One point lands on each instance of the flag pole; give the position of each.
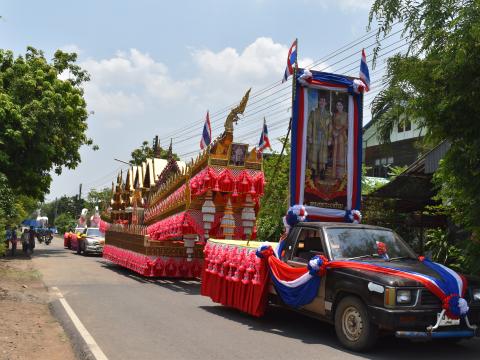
(294, 78)
(294, 87)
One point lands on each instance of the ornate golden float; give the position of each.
(164, 211)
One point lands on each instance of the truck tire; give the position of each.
(353, 326)
(79, 247)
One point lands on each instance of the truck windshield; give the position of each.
(347, 243)
(94, 232)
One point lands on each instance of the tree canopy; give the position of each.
(437, 83)
(274, 203)
(43, 118)
(146, 151)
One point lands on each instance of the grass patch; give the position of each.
(9, 273)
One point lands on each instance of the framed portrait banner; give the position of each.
(238, 153)
(326, 153)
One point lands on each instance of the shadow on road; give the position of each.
(42, 252)
(49, 252)
(283, 322)
(186, 286)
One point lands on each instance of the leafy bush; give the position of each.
(443, 250)
(64, 222)
(274, 203)
(2, 232)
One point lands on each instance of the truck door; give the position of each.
(306, 245)
(309, 243)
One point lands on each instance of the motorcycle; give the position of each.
(48, 238)
(44, 236)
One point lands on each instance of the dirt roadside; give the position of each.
(28, 330)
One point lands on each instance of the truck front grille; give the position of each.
(429, 299)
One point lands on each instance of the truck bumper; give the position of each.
(436, 334)
(414, 323)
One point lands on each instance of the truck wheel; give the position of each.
(353, 326)
(79, 249)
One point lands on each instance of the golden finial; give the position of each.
(233, 116)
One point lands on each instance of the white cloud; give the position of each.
(132, 83)
(352, 5)
(135, 70)
(121, 86)
(71, 48)
(230, 71)
(135, 96)
(113, 107)
(344, 5)
(257, 60)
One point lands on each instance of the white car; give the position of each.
(90, 241)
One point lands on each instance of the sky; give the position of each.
(156, 67)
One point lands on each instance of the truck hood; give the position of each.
(391, 280)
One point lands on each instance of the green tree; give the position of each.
(436, 83)
(43, 119)
(100, 198)
(6, 209)
(274, 204)
(141, 154)
(146, 151)
(64, 222)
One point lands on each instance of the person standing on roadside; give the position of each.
(13, 240)
(31, 238)
(24, 238)
(8, 235)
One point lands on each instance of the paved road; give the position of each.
(135, 318)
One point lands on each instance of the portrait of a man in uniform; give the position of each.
(319, 136)
(238, 154)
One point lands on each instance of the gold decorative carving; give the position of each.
(233, 116)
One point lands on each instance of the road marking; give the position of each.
(89, 340)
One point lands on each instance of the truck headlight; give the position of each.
(404, 296)
(476, 294)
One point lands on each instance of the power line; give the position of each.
(267, 102)
(370, 34)
(190, 130)
(287, 95)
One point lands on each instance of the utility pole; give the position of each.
(80, 192)
(55, 211)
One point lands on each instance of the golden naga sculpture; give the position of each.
(233, 116)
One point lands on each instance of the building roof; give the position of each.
(414, 184)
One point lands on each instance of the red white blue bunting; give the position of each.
(299, 286)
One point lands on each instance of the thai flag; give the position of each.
(264, 140)
(206, 134)
(291, 61)
(364, 73)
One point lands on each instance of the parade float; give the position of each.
(327, 265)
(325, 171)
(164, 210)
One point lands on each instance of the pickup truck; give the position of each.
(363, 304)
